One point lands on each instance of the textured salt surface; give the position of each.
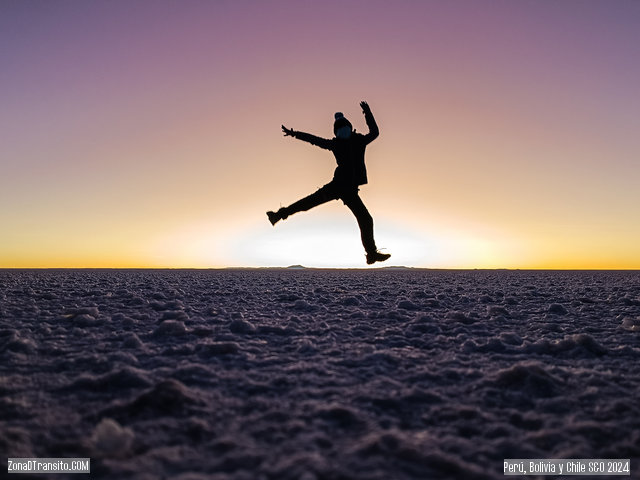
(279, 374)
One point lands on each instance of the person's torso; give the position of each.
(349, 155)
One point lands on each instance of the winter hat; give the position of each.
(340, 122)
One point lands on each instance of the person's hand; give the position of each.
(288, 132)
(365, 106)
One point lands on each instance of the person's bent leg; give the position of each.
(322, 195)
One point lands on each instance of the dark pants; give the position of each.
(349, 195)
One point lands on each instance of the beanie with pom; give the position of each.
(340, 121)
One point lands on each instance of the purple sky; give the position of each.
(147, 133)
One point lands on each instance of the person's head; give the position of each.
(341, 126)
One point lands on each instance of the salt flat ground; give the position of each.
(318, 374)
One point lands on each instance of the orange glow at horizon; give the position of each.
(150, 137)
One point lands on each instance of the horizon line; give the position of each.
(301, 267)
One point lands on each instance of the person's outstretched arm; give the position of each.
(371, 123)
(307, 137)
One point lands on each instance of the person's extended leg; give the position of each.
(365, 222)
(323, 195)
(353, 201)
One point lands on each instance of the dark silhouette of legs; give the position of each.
(322, 195)
(353, 201)
(349, 195)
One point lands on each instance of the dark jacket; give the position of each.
(349, 153)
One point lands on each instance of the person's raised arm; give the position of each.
(307, 137)
(371, 123)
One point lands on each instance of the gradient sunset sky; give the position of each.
(147, 133)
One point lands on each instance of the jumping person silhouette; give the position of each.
(348, 147)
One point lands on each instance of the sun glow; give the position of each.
(330, 239)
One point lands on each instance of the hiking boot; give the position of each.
(275, 217)
(376, 256)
